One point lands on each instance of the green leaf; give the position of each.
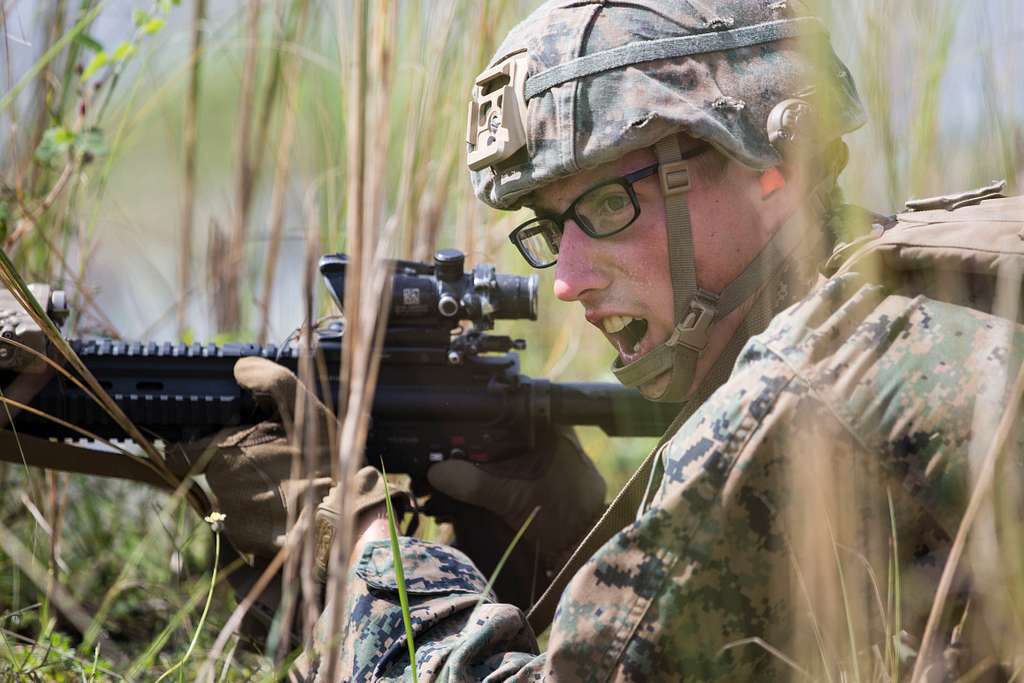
(88, 41)
(56, 141)
(396, 559)
(152, 26)
(139, 17)
(98, 61)
(91, 144)
(123, 51)
(165, 6)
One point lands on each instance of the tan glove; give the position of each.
(369, 492)
(557, 477)
(250, 471)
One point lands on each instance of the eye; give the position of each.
(610, 200)
(614, 203)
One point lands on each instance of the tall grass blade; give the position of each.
(396, 559)
(504, 557)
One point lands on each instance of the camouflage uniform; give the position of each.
(860, 396)
(866, 379)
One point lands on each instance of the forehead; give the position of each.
(559, 194)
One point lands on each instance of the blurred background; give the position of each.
(170, 162)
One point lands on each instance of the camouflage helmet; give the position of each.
(582, 83)
(590, 82)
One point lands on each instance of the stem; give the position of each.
(202, 618)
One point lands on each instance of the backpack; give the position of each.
(962, 249)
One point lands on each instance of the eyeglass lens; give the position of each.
(606, 209)
(539, 242)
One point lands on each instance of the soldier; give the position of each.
(681, 161)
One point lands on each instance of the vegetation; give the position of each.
(176, 164)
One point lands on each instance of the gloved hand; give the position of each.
(250, 471)
(367, 503)
(557, 477)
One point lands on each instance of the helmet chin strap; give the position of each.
(697, 310)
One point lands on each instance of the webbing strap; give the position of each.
(674, 175)
(678, 358)
(666, 48)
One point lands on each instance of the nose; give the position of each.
(578, 270)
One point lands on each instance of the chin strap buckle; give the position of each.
(694, 331)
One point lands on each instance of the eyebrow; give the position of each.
(686, 155)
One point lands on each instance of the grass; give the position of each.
(181, 189)
(396, 556)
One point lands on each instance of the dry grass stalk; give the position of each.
(57, 487)
(343, 465)
(289, 27)
(307, 439)
(311, 433)
(282, 167)
(33, 215)
(835, 542)
(367, 285)
(42, 92)
(190, 141)
(230, 317)
(425, 99)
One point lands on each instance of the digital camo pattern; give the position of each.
(444, 589)
(878, 390)
(723, 97)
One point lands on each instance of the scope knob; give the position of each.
(448, 305)
(449, 264)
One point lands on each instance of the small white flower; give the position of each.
(216, 521)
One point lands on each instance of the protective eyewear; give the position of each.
(602, 211)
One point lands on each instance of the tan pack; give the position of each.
(956, 250)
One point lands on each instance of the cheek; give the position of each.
(649, 267)
(726, 232)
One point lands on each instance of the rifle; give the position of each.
(443, 391)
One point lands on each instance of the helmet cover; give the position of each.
(722, 90)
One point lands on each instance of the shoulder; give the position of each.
(898, 375)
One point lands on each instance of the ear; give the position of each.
(771, 182)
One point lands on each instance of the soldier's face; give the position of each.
(624, 281)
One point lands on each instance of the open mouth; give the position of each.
(626, 333)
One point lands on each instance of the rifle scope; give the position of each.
(441, 294)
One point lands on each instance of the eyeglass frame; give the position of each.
(625, 181)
